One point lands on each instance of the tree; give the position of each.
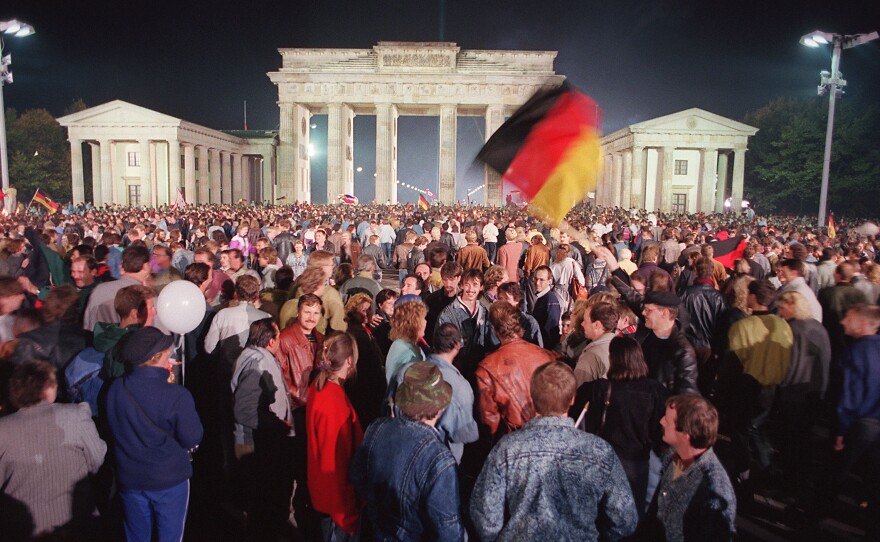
(784, 170)
(39, 155)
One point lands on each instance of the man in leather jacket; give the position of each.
(283, 242)
(703, 305)
(504, 376)
(670, 356)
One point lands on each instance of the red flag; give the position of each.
(550, 150)
(729, 250)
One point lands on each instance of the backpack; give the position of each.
(84, 379)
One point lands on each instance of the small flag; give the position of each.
(180, 201)
(729, 250)
(423, 202)
(348, 199)
(832, 231)
(430, 194)
(2, 195)
(550, 150)
(43, 199)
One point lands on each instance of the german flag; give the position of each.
(43, 199)
(549, 149)
(423, 203)
(729, 250)
(832, 231)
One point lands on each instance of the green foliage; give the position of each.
(784, 166)
(39, 155)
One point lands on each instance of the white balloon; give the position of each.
(181, 306)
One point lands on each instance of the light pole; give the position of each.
(18, 29)
(835, 81)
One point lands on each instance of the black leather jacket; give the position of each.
(283, 243)
(671, 361)
(704, 305)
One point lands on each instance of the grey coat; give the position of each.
(47, 453)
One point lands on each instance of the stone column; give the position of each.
(287, 150)
(189, 174)
(706, 201)
(637, 178)
(721, 187)
(156, 169)
(248, 190)
(107, 186)
(204, 177)
(340, 151)
(226, 176)
(237, 188)
(168, 192)
(76, 171)
(617, 186)
(97, 195)
(494, 191)
(605, 188)
(448, 131)
(664, 195)
(268, 174)
(626, 180)
(216, 183)
(386, 153)
(117, 163)
(147, 171)
(294, 169)
(739, 170)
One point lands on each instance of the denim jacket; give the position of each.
(409, 481)
(456, 425)
(550, 481)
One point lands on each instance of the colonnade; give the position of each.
(148, 172)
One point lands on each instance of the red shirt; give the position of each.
(333, 434)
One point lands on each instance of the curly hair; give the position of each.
(504, 318)
(406, 321)
(494, 276)
(352, 314)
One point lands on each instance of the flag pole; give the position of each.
(31, 202)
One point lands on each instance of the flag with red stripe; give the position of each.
(549, 149)
(43, 199)
(729, 250)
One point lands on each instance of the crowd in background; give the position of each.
(392, 373)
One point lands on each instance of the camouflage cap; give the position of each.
(423, 391)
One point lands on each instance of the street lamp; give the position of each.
(18, 29)
(834, 81)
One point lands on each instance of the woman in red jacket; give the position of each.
(333, 434)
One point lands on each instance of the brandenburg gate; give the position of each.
(389, 80)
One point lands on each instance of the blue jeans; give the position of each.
(491, 250)
(167, 507)
(386, 248)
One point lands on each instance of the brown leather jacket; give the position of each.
(503, 381)
(297, 357)
(473, 256)
(536, 256)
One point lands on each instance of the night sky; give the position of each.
(200, 60)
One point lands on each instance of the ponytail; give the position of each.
(337, 349)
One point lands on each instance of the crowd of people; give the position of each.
(384, 372)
